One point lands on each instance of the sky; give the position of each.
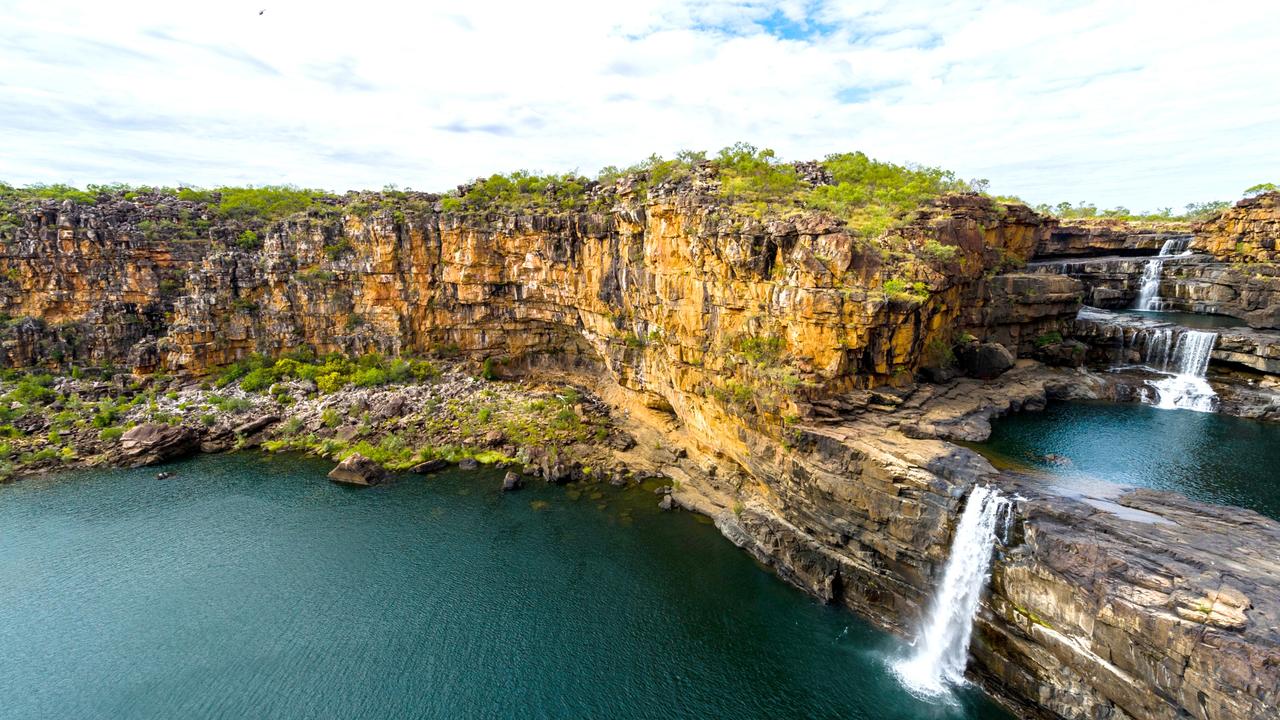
(1140, 103)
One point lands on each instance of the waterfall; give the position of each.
(942, 649)
(1185, 388)
(1149, 291)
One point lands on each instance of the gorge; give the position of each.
(811, 377)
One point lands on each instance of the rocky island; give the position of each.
(802, 352)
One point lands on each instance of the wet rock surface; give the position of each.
(357, 469)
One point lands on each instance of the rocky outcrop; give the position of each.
(152, 443)
(1248, 232)
(1118, 338)
(1144, 605)
(1102, 236)
(357, 469)
(778, 355)
(1168, 611)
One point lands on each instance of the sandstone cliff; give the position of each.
(778, 354)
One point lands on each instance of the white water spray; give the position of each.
(1186, 388)
(1149, 291)
(942, 650)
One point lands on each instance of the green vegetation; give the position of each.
(937, 252)
(330, 373)
(520, 190)
(248, 240)
(873, 195)
(1082, 209)
(1260, 188)
(899, 290)
(1049, 338)
(266, 203)
(656, 170)
(756, 178)
(315, 275)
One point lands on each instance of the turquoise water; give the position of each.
(250, 587)
(1209, 457)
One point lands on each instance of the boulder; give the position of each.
(220, 439)
(468, 464)
(357, 470)
(392, 407)
(511, 481)
(620, 440)
(430, 466)
(667, 503)
(252, 433)
(984, 361)
(1067, 353)
(152, 443)
(253, 427)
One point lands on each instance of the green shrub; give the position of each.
(258, 379)
(751, 175)
(248, 240)
(1049, 338)
(938, 252)
(266, 203)
(520, 190)
(901, 290)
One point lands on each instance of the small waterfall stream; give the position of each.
(942, 649)
(1185, 388)
(1149, 291)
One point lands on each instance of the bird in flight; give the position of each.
(261, 11)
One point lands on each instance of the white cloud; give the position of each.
(1144, 104)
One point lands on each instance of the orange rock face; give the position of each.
(712, 314)
(1245, 233)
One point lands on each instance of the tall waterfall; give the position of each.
(1185, 388)
(1149, 291)
(942, 650)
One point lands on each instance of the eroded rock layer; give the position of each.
(781, 355)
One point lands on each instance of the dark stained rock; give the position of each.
(511, 481)
(984, 361)
(357, 470)
(468, 464)
(1067, 353)
(220, 439)
(391, 407)
(430, 466)
(252, 433)
(253, 427)
(620, 440)
(152, 443)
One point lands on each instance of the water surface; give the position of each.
(1195, 321)
(1209, 457)
(252, 587)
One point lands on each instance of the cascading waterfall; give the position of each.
(1185, 388)
(1149, 291)
(942, 650)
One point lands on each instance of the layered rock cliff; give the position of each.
(779, 354)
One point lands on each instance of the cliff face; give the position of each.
(1101, 236)
(1244, 233)
(783, 351)
(665, 294)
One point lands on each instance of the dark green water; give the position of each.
(1197, 321)
(250, 587)
(1209, 457)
